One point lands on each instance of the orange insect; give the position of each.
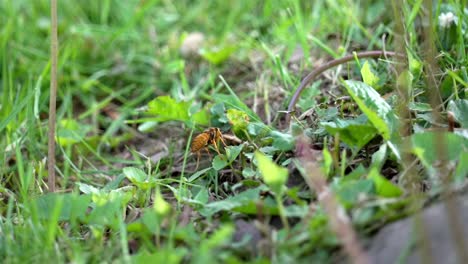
(201, 141)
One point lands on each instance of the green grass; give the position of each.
(128, 187)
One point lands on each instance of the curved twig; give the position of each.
(313, 74)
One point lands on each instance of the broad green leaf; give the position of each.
(379, 113)
(71, 132)
(459, 108)
(282, 141)
(160, 206)
(219, 162)
(218, 116)
(425, 147)
(349, 192)
(73, 207)
(461, 172)
(217, 55)
(135, 175)
(384, 187)
(368, 75)
(232, 152)
(248, 172)
(167, 255)
(232, 101)
(232, 202)
(107, 214)
(139, 178)
(419, 107)
(353, 133)
(273, 175)
(166, 108)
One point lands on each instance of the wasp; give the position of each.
(208, 137)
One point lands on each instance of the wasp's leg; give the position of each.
(198, 160)
(216, 147)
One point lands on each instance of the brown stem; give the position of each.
(338, 219)
(53, 96)
(313, 74)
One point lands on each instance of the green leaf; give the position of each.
(428, 152)
(232, 152)
(165, 108)
(352, 132)
(420, 107)
(459, 108)
(232, 101)
(327, 161)
(71, 132)
(241, 199)
(248, 172)
(350, 191)
(273, 175)
(168, 255)
(139, 178)
(379, 157)
(379, 113)
(219, 162)
(282, 141)
(368, 75)
(239, 121)
(384, 187)
(217, 55)
(160, 206)
(461, 172)
(73, 207)
(198, 174)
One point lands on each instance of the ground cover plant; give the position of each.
(227, 132)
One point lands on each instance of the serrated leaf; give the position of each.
(368, 75)
(379, 113)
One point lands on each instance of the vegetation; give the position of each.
(371, 140)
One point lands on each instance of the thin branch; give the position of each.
(53, 95)
(313, 74)
(339, 220)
